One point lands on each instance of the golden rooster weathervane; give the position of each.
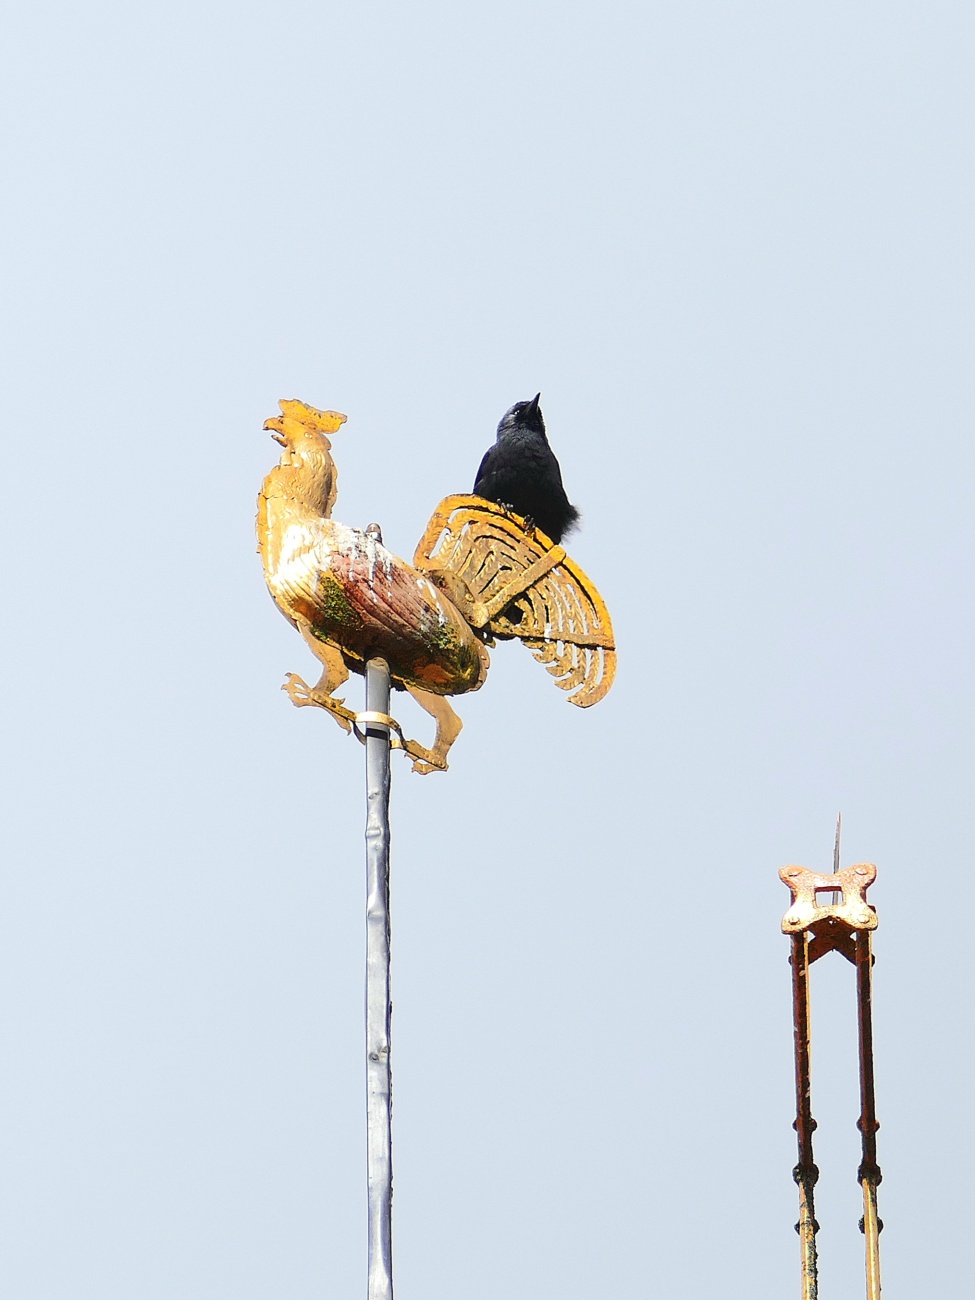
(479, 574)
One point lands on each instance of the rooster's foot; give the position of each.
(448, 729)
(301, 695)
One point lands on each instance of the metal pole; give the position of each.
(805, 1172)
(869, 1172)
(379, 1095)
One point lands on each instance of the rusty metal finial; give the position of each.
(844, 924)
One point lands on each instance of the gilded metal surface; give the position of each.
(350, 597)
(342, 584)
(516, 583)
(479, 573)
(846, 927)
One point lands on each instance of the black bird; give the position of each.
(520, 471)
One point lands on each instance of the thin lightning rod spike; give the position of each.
(837, 894)
(379, 1091)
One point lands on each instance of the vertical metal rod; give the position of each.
(837, 893)
(379, 1093)
(805, 1172)
(869, 1174)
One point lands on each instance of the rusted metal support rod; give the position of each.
(869, 1173)
(805, 1172)
(379, 1084)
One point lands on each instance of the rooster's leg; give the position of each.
(448, 729)
(334, 673)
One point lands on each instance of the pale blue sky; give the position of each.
(731, 244)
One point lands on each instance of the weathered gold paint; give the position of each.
(478, 574)
(518, 584)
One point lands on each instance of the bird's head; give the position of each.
(302, 429)
(523, 415)
(306, 461)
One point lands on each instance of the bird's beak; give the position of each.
(532, 406)
(278, 425)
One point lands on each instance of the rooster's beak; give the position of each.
(277, 424)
